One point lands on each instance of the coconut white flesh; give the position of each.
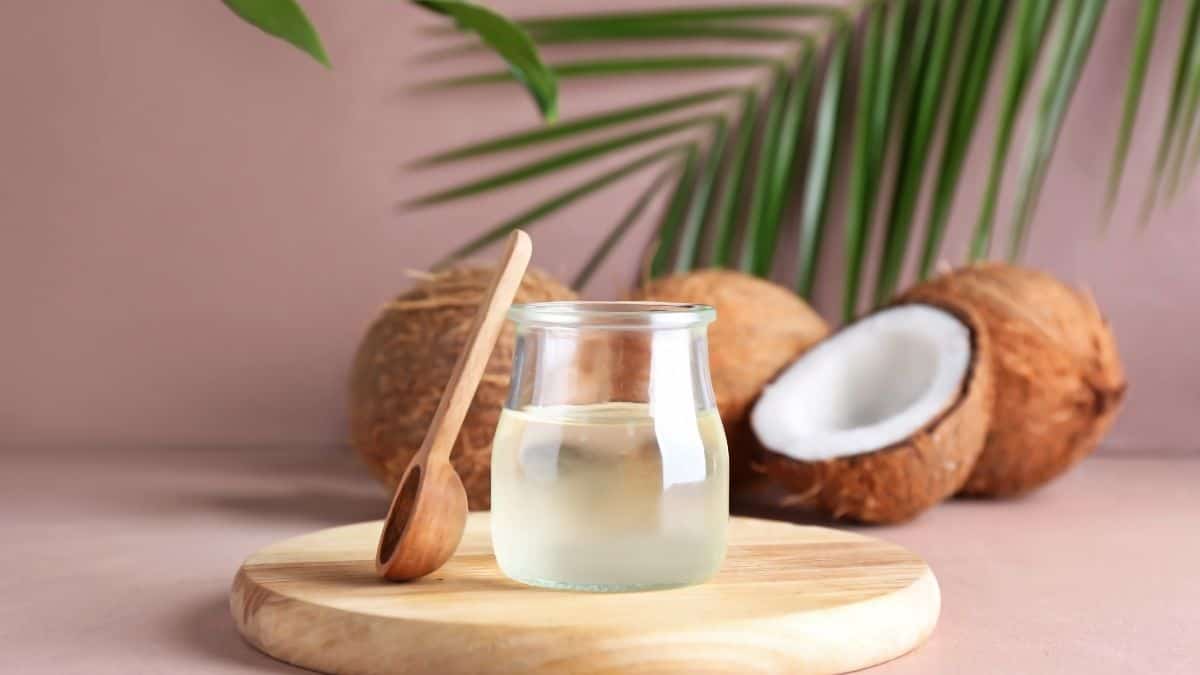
(873, 384)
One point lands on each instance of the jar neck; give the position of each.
(665, 368)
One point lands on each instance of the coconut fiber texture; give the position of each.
(898, 482)
(404, 363)
(1059, 381)
(761, 327)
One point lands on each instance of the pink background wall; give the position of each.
(198, 221)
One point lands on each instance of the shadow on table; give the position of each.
(206, 629)
(313, 507)
(312, 487)
(771, 503)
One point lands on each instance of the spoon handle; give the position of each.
(468, 370)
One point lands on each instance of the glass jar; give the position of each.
(610, 469)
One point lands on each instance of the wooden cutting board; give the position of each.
(789, 599)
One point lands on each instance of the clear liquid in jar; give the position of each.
(608, 497)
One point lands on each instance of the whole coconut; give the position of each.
(760, 328)
(1058, 379)
(404, 363)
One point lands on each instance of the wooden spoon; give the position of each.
(428, 513)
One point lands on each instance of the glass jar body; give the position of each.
(610, 469)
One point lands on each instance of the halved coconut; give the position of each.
(883, 419)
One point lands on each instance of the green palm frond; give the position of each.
(983, 21)
(900, 84)
(1191, 97)
(1032, 23)
(627, 221)
(1170, 129)
(929, 70)
(1072, 44)
(723, 230)
(816, 189)
(1139, 61)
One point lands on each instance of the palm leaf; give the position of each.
(513, 45)
(1171, 123)
(622, 227)
(721, 253)
(1073, 42)
(548, 133)
(914, 151)
(531, 216)
(1033, 17)
(882, 114)
(643, 30)
(900, 87)
(285, 20)
(562, 160)
(690, 14)
(1188, 116)
(700, 205)
(571, 32)
(756, 253)
(676, 212)
(778, 163)
(1147, 24)
(816, 189)
(858, 213)
(984, 18)
(780, 176)
(767, 158)
(633, 65)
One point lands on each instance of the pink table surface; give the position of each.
(118, 560)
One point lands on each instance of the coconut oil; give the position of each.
(609, 496)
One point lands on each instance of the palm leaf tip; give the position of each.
(285, 20)
(1174, 108)
(1191, 101)
(1073, 42)
(512, 43)
(1147, 25)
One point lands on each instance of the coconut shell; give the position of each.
(898, 482)
(404, 363)
(1059, 380)
(761, 327)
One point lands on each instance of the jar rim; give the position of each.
(612, 314)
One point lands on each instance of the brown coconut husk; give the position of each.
(761, 327)
(403, 365)
(898, 482)
(1059, 380)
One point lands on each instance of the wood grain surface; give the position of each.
(788, 599)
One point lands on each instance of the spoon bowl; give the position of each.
(426, 521)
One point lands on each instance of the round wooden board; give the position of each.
(788, 599)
